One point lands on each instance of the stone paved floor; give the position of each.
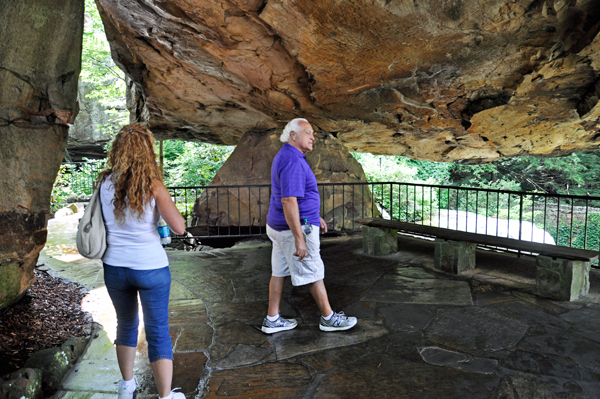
(421, 334)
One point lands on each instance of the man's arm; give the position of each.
(292, 217)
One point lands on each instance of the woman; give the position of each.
(133, 196)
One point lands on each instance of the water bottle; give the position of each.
(164, 232)
(306, 227)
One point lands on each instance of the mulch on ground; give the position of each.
(46, 317)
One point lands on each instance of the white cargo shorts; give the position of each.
(284, 263)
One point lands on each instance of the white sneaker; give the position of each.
(128, 392)
(281, 324)
(176, 395)
(338, 322)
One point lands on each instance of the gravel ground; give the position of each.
(46, 317)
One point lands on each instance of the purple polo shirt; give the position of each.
(291, 176)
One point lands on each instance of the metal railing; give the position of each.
(548, 218)
(567, 220)
(75, 182)
(240, 210)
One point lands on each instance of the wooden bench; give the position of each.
(562, 273)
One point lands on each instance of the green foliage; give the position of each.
(431, 172)
(185, 164)
(579, 235)
(172, 149)
(99, 72)
(192, 163)
(482, 176)
(575, 174)
(402, 202)
(379, 168)
(75, 180)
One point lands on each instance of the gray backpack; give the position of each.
(91, 232)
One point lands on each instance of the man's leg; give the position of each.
(275, 292)
(318, 291)
(330, 321)
(274, 323)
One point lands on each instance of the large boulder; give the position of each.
(472, 80)
(40, 60)
(246, 208)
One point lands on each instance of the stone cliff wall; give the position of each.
(40, 60)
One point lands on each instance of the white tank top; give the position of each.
(135, 244)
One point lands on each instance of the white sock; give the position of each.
(329, 317)
(168, 397)
(129, 384)
(272, 318)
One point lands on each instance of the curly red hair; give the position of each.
(133, 169)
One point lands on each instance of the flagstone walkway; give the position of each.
(421, 334)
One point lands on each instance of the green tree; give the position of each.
(383, 168)
(431, 172)
(576, 174)
(482, 176)
(99, 72)
(192, 163)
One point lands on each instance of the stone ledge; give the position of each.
(562, 279)
(46, 369)
(454, 256)
(379, 240)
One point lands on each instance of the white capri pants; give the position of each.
(284, 263)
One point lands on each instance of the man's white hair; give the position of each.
(292, 126)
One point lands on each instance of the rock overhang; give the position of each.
(460, 80)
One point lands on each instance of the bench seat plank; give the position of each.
(557, 251)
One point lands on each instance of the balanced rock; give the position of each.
(250, 164)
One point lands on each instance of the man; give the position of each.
(294, 198)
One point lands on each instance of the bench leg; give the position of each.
(562, 279)
(454, 256)
(379, 241)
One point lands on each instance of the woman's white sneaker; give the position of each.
(127, 390)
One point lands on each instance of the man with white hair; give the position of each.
(293, 225)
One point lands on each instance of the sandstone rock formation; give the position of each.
(471, 80)
(86, 137)
(245, 209)
(40, 60)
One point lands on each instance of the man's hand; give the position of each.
(300, 248)
(323, 227)
(292, 217)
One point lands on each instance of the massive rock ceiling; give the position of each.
(471, 80)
